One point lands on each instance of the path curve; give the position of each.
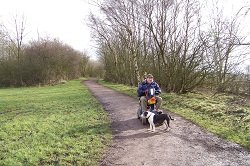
(184, 145)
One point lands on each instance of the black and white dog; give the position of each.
(154, 119)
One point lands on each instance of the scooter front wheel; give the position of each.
(139, 112)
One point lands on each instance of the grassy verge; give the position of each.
(226, 115)
(54, 125)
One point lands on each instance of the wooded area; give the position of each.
(175, 42)
(184, 44)
(41, 61)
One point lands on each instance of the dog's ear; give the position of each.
(145, 113)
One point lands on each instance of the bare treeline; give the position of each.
(44, 61)
(170, 39)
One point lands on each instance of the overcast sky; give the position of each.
(62, 19)
(66, 19)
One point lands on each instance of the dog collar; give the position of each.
(150, 115)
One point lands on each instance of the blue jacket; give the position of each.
(145, 86)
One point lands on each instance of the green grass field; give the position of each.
(53, 125)
(225, 115)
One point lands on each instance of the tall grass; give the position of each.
(53, 125)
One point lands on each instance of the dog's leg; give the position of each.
(153, 127)
(166, 122)
(150, 127)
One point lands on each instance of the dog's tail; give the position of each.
(171, 117)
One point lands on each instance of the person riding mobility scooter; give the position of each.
(148, 92)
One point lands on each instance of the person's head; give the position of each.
(150, 78)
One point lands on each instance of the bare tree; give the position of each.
(166, 38)
(16, 42)
(119, 37)
(225, 38)
(3, 43)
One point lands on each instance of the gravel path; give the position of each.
(184, 145)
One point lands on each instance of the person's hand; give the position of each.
(157, 92)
